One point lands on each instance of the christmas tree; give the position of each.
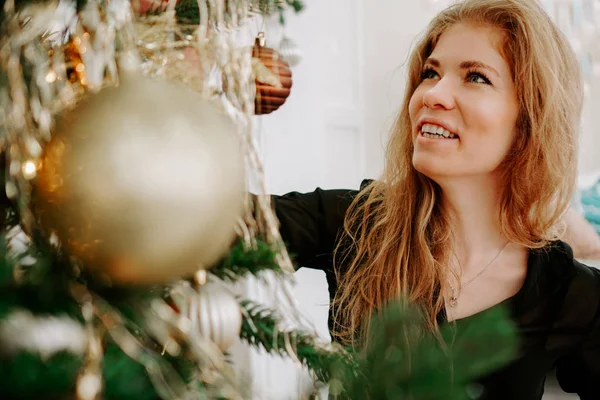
(127, 153)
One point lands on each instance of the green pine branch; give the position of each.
(188, 12)
(260, 329)
(242, 261)
(402, 361)
(296, 5)
(42, 287)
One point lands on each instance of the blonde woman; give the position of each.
(479, 171)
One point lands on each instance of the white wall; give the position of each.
(332, 129)
(314, 138)
(390, 29)
(589, 151)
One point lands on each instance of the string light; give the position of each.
(29, 169)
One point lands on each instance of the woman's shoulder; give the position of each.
(560, 255)
(584, 288)
(558, 264)
(576, 284)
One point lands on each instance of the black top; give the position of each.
(557, 311)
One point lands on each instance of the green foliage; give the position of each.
(42, 287)
(188, 12)
(27, 376)
(401, 361)
(296, 5)
(125, 378)
(242, 261)
(260, 329)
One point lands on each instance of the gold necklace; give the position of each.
(455, 295)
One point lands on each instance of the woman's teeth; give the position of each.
(436, 132)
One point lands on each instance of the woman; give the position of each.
(480, 167)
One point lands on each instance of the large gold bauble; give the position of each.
(143, 183)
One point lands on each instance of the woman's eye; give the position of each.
(428, 74)
(476, 77)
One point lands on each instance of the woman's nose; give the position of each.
(440, 95)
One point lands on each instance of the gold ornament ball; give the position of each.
(143, 183)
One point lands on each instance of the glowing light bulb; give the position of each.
(51, 76)
(29, 170)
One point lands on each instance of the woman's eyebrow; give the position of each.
(464, 65)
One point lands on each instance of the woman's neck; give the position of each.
(472, 204)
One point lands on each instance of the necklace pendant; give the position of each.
(453, 301)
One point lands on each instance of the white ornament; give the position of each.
(289, 50)
(215, 314)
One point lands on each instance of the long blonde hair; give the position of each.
(397, 237)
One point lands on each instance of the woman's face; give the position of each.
(467, 97)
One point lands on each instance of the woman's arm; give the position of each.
(311, 222)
